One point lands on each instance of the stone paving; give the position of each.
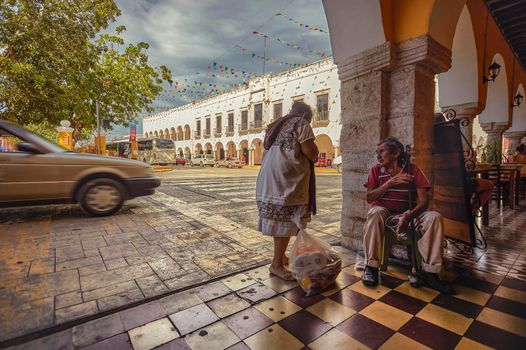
(253, 310)
(57, 265)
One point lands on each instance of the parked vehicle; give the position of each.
(180, 161)
(35, 170)
(156, 151)
(203, 159)
(337, 163)
(230, 162)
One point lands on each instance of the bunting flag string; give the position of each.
(302, 25)
(228, 72)
(292, 46)
(268, 59)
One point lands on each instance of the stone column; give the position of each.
(494, 139)
(470, 111)
(387, 90)
(514, 139)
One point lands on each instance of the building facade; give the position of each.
(233, 123)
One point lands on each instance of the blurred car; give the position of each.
(35, 170)
(337, 163)
(203, 159)
(230, 162)
(180, 160)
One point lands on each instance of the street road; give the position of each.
(58, 265)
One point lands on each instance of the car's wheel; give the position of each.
(216, 165)
(229, 166)
(202, 164)
(101, 197)
(339, 168)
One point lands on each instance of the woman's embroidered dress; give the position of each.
(282, 189)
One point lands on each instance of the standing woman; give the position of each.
(285, 187)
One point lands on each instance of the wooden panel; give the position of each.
(450, 195)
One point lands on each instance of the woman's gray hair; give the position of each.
(299, 108)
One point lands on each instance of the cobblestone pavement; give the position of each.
(57, 265)
(252, 310)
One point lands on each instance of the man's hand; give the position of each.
(400, 179)
(402, 223)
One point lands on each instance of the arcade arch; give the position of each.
(208, 148)
(219, 152)
(180, 152)
(187, 153)
(173, 136)
(187, 134)
(156, 134)
(325, 148)
(244, 154)
(180, 135)
(231, 149)
(198, 149)
(256, 152)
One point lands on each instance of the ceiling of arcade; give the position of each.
(510, 16)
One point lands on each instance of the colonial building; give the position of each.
(233, 123)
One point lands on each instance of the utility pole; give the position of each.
(98, 127)
(265, 54)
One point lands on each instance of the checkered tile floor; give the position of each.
(253, 310)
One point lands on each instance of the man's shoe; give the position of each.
(370, 276)
(432, 281)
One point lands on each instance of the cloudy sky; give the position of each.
(189, 35)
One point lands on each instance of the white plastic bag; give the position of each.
(313, 263)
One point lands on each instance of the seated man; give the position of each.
(387, 192)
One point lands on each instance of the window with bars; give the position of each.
(207, 126)
(230, 122)
(219, 122)
(258, 115)
(244, 120)
(198, 128)
(322, 107)
(278, 110)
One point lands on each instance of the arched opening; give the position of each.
(180, 152)
(231, 149)
(243, 151)
(173, 136)
(180, 135)
(198, 149)
(326, 150)
(187, 134)
(161, 134)
(220, 151)
(495, 117)
(187, 153)
(459, 85)
(208, 148)
(166, 133)
(256, 152)
(156, 134)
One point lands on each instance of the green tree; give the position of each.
(54, 65)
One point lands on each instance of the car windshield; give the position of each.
(31, 137)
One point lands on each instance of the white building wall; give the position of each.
(317, 78)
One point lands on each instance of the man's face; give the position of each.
(385, 157)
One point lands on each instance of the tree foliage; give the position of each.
(54, 64)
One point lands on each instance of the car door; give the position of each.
(26, 176)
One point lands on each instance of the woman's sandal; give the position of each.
(285, 275)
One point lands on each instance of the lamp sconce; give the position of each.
(517, 100)
(494, 70)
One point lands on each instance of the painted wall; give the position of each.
(319, 77)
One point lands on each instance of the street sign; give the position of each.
(133, 131)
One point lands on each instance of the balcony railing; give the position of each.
(321, 119)
(256, 126)
(243, 128)
(217, 132)
(197, 134)
(229, 130)
(207, 133)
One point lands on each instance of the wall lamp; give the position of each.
(517, 100)
(494, 70)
